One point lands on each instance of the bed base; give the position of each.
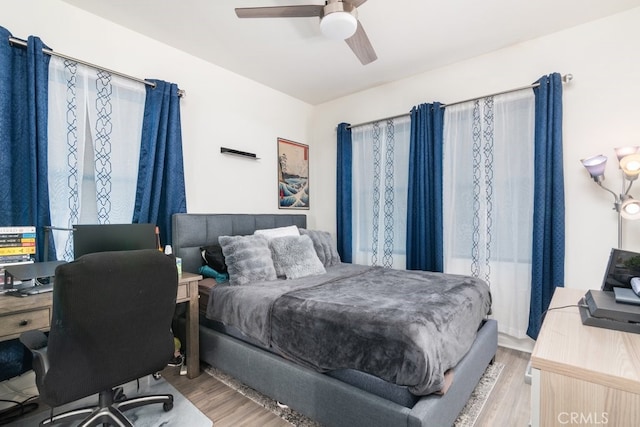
(334, 403)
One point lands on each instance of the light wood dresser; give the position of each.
(583, 375)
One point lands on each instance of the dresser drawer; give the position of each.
(12, 325)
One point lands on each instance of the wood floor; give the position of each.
(508, 405)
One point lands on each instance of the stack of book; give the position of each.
(17, 246)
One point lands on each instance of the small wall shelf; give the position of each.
(245, 154)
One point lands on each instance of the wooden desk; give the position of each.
(34, 312)
(188, 292)
(583, 375)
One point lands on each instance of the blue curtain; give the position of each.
(24, 195)
(24, 192)
(343, 191)
(160, 191)
(547, 271)
(424, 204)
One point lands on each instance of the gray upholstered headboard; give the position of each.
(190, 232)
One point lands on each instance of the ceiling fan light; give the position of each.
(338, 25)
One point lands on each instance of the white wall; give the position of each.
(601, 111)
(220, 109)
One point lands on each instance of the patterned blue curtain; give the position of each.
(424, 207)
(161, 192)
(343, 191)
(548, 210)
(23, 136)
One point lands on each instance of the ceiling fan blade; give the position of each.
(355, 3)
(280, 11)
(361, 46)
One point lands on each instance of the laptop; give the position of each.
(34, 278)
(621, 268)
(615, 306)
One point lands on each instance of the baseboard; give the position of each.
(520, 344)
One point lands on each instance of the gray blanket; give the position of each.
(406, 327)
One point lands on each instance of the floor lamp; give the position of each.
(629, 162)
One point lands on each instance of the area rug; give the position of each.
(184, 413)
(479, 396)
(467, 417)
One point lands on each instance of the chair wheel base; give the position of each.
(110, 411)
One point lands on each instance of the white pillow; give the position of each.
(272, 233)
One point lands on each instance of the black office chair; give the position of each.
(111, 324)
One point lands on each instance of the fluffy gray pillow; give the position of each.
(248, 259)
(295, 257)
(324, 246)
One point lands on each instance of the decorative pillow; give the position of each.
(209, 272)
(295, 257)
(213, 257)
(272, 233)
(248, 259)
(324, 246)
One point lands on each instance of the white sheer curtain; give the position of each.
(379, 185)
(488, 200)
(95, 126)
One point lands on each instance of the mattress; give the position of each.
(365, 319)
(398, 394)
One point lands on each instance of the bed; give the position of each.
(331, 395)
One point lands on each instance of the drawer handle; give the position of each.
(23, 323)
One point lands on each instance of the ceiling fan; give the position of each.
(338, 20)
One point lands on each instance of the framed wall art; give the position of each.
(293, 175)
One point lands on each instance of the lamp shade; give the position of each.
(630, 209)
(595, 165)
(625, 151)
(630, 166)
(338, 25)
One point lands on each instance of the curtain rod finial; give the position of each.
(567, 78)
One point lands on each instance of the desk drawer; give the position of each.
(12, 325)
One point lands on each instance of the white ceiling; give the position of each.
(291, 56)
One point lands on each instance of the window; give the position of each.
(380, 176)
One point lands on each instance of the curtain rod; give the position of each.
(20, 42)
(565, 79)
